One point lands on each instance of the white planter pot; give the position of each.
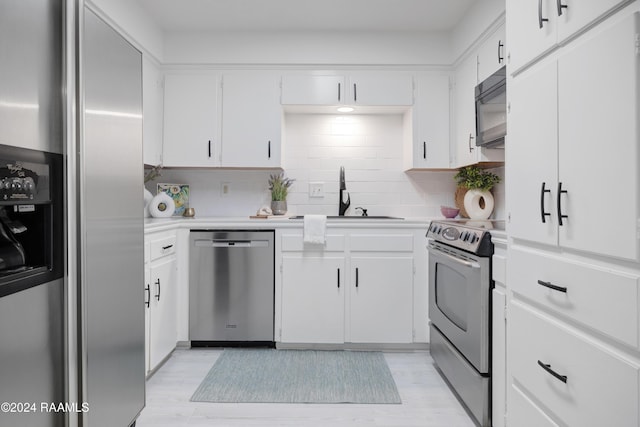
(478, 204)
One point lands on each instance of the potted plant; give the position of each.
(279, 187)
(473, 195)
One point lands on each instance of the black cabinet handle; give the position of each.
(339, 91)
(355, 93)
(543, 214)
(269, 149)
(357, 280)
(424, 150)
(541, 20)
(164, 248)
(547, 368)
(560, 192)
(552, 286)
(158, 295)
(560, 7)
(148, 299)
(338, 278)
(209, 148)
(500, 57)
(471, 148)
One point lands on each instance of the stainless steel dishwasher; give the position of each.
(231, 287)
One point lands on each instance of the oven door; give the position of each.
(459, 303)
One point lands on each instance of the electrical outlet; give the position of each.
(316, 189)
(225, 189)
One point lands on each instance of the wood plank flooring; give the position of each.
(426, 400)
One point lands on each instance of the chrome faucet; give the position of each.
(342, 205)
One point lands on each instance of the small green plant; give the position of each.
(152, 174)
(279, 186)
(473, 177)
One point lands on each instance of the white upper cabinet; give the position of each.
(251, 120)
(578, 137)
(536, 26)
(465, 108)
(303, 89)
(427, 125)
(152, 120)
(191, 120)
(378, 88)
(492, 54)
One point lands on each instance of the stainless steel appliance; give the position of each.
(231, 287)
(32, 246)
(491, 110)
(460, 310)
(110, 227)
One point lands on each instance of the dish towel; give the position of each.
(315, 227)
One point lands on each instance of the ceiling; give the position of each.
(306, 15)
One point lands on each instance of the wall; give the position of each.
(368, 146)
(308, 48)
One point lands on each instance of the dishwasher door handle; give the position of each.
(208, 243)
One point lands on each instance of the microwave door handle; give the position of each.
(454, 259)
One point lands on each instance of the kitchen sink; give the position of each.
(353, 217)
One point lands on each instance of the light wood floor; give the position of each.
(426, 400)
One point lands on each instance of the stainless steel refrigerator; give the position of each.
(110, 226)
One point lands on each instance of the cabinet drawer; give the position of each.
(295, 242)
(601, 387)
(382, 243)
(524, 413)
(162, 246)
(603, 299)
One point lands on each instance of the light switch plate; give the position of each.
(316, 189)
(225, 189)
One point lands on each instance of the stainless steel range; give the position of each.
(460, 309)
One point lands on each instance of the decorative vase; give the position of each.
(279, 207)
(478, 203)
(459, 200)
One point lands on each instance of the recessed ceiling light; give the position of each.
(345, 109)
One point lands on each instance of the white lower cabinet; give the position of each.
(313, 298)
(357, 288)
(160, 298)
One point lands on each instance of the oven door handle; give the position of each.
(454, 259)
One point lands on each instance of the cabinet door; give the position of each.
(251, 120)
(431, 122)
(526, 39)
(312, 90)
(384, 89)
(191, 120)
(492, 54)
(464, 103)
(499, 357)
(163, 330)
(532, 156)
(599, 149)
(381, 291)
(152, 111)
(147, 313)
(312, 299)
(579, 14)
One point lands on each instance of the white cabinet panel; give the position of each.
(579, 14)
(528, 35)
(532, 156)
(383, 89)
(601, 388)
(381, 290)
(312, 90)
(499, 357)
(464, 101)
(492, 54)
(251, 120)
(312, 299)
(162, 314)
(524, 413)
(599, 147)
(152, 110)
(191, 120)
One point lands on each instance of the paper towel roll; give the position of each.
(147, 201)
(162, 206)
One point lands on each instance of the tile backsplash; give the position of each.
(315, 146)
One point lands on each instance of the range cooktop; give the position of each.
(467, 234)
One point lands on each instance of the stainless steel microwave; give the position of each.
(491, 110)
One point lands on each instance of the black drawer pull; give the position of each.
(543, 214)
(164, 248)
(338, 278)
(148, 301)
(547, 368)
(357, 278)
(551, 286)
(559, 199)
(158, 295)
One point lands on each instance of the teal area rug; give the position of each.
(298, 376)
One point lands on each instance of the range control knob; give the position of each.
(474, 238)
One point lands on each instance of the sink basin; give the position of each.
(353, 217)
